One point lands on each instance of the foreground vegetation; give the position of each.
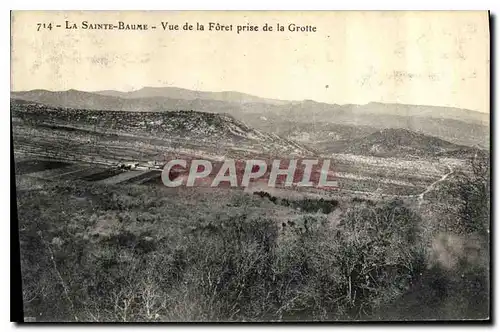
(134, 253)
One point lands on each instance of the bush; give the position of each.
(380, 255)
(306, 205)
(173, 264)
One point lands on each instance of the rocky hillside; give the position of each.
(192, 128)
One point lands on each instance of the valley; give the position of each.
(149, 139)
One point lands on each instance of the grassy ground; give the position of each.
(148, 253)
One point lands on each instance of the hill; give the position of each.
(400, 142)
(464, 132)
(219, 133)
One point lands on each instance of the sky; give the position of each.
(426, 58)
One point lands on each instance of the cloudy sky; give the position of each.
(433, 58)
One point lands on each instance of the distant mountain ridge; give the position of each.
(459, 126)
(173, 93)
(186, 94)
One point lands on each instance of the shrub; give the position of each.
(233, 265)
(473, 194)
(380, 255)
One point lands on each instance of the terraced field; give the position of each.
(43, 169)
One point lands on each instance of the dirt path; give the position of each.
(433, 185)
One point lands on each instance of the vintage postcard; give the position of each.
(252, 166)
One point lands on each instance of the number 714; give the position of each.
(43, 26)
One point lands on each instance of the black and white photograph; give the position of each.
(251, 166)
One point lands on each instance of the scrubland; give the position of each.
(91, 252)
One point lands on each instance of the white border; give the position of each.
(256, 5)
(492, 5)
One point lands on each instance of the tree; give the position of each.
(473, 194)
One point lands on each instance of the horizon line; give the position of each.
(249, 94)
